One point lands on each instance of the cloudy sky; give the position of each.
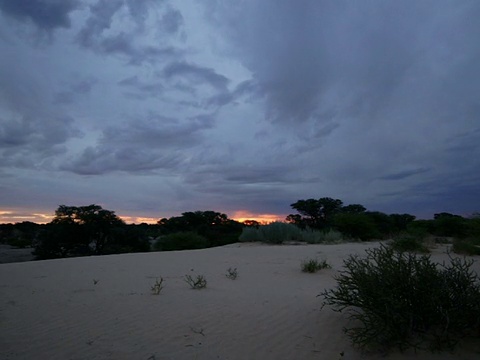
(153, 107)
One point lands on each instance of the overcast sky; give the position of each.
(152, 108)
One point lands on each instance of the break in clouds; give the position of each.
(158, 107)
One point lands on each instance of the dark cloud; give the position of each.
(195, 74)
(81, 87)
(153, 143)
(30, 141)
(32, 133)
(353, 58)
(141, 90)
(101, 14)
(45, 14)
(404, 174)
(158, 131)
(98, 34)
(104, 159)
(172, 21)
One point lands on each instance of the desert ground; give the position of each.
(103, 307)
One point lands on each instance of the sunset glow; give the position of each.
(139, 219)
(16, 216)
(243, 215)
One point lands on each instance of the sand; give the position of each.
(103, 308)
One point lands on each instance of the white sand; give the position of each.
(53, 310)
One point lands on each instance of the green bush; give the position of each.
(401, 300)
(313, 236)
(314, 265)
(408, 242)
(181, 241)
(278, 232)
(274, 233)
(468, 246)
(357, 226)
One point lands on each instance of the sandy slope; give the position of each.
(53, 310)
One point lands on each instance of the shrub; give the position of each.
(314, 265)
(401, 300)
(251, 234)
(312, 236)
(274, 233)
(232, 274)
(181, 241)
(468, 246)
(158, 286)
(278, 232)
(199, 282)
(407, 242)
(357, 226)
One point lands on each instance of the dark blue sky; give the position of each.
(152, 107)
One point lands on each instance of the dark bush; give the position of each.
(409, 242)
(400, 300)
(445, 224)
(181, 241)
(468, 246)
(356, 226)
(314, 265)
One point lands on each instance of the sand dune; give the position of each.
(103, 308)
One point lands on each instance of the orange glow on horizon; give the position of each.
(243, 215)
(16, 216)
(139, 219)
(12, 216)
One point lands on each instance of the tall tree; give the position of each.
(317, 213)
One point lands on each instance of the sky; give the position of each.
(152, 108)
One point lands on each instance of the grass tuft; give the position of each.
(314, 265)
(158, 286)
(199, 282)
(232, 273)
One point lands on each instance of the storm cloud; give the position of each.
(240, 106)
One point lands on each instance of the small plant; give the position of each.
(158, 286)
(313, 265)
(199, 282)
(401, 300)
(232, 274)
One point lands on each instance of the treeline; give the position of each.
(356, 222)
(92, 230)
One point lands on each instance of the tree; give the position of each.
(446, 224)
(356, 226)
(83, 230)
(317, 213)
(251, 223)
(401, 221)
(216, 227)
(353, 209)
(97, 223)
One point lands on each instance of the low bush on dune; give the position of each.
(197, 282)
(401, 300)
(181, 241)
(314, 265)
(468, 246)
(409, 242)
(278, 232)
